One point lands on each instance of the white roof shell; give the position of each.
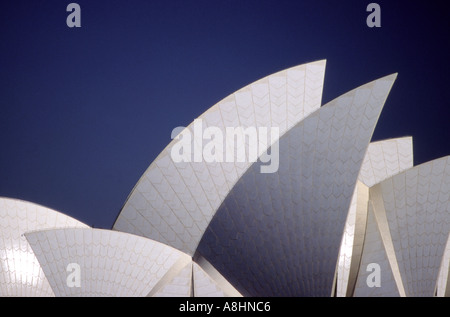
(119, 264)
(386, 158)
(111, 263)
(411, 217)
(383, 159)
(174, 203)
(331, 186)
(20, 272)
(293, 220)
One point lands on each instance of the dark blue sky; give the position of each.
(84, 111)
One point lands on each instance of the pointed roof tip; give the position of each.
(321, 62)
(318, 62)
(388, 78)
(392, 76)
(407, 137)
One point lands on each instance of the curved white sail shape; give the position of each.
(383, 159)
(20, 272)
(174, 202)
(386, 158)
(336, 209)
(292, 221)
(411, 216)
(110, 263)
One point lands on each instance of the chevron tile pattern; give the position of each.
(111, 263)
(417, 204)
(272, 218)
(174, 202)
(20, 272)
(337, 208)
(383, 159)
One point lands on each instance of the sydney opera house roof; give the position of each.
(337, 216)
